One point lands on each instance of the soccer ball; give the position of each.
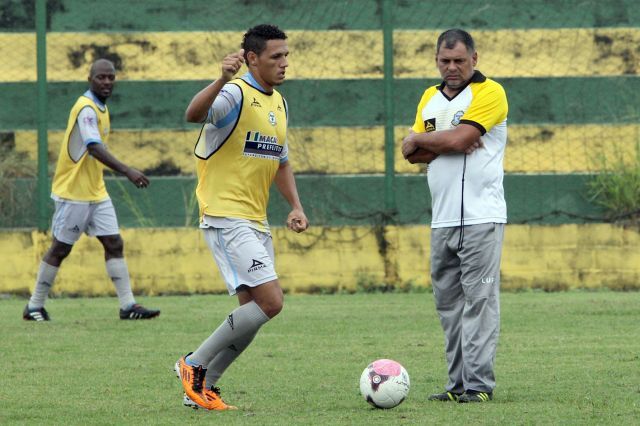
(384, 383)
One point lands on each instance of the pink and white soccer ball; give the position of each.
(384, 383)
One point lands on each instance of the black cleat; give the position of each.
(35, 314)
(137, 311)
(475, 396)
(445, 397)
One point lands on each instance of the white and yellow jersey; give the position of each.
(239, 151)
(482, 104)
(79, 176)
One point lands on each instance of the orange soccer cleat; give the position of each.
(193, 382)
(215, 400)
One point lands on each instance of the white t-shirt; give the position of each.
(482, 104)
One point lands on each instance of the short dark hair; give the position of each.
(255, 40)
(454, 35)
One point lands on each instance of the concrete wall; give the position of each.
(176, 260)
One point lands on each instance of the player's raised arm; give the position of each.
(199, 106)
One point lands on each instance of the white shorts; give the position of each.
(244, 255)
(71, 219)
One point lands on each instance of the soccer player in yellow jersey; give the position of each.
(82, 202)
(460, 131)
(241, 150)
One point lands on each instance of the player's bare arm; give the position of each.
(296, 220)
(420, 155)
(199, 106)
(460, 139)
(99, 152)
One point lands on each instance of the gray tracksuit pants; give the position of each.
(466, 286)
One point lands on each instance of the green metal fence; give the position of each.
(358, 69)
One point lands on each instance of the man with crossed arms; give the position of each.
(460, 131)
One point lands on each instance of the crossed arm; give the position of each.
(425, 147)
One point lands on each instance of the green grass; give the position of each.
(563, 358)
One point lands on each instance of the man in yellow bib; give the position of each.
(82, 202)
(241, 150)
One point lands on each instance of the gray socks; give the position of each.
(238, 330)
(119, 274)
(225, 357)
(44, 282)
(116, 268)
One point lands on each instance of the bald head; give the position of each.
(101, 65)
(101, 78)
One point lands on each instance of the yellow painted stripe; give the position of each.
(337, 149)
(189, 55)
(323, 150)
(343, 150)
(327, 54)
(559, 148)
(579, 52)
(568, 149)
(138, 148)
(18, 53)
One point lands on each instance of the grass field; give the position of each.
(563, 358)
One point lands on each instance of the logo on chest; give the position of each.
(262, 146)
(456, 118)
(430, 125)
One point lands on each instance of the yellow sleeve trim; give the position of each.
(489, 105)
(418, 125)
